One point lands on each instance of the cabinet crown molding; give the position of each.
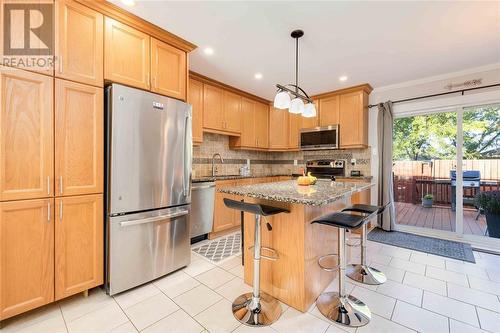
(366, 87)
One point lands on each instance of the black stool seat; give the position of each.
(341, 220)
(252, 208)
(366, 209)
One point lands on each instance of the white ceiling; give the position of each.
(381, 43)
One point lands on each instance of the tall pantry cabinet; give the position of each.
(51, 169)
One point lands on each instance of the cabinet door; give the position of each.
(353, 120)
(278, 129)
(314, 121)
(329, 114)
(232, 112)
(213, 113)
(168, 70)
(196, 100)
(248, 123)
(78, 139)
(79, 43)
(295, 122)
(26, 255)
(224, 218)
(262, 125)
(78, 244)
(126, 55)
(26, 135)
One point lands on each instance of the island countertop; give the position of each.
(324, 192)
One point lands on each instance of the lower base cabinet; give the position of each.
(49, 249)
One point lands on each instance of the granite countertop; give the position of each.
(229, 177)
(323, 192)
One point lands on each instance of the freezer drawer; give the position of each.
(145, 246)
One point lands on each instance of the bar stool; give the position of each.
(341, 307)
(362, 272)
(257, 308)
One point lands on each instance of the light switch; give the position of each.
(295, 162)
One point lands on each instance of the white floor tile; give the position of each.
(378, 303)
(431, 260)
(334, 286)
(391, 273)
(408, 266)
(128, 327)
(215, 277)
(101, 320)
(379, 258)
(484, 285)
(315, 312)
(425, 283)
(247, 329)
(234, 288)
(151, 310)
(197, 267)
(229, 263)
(177, 322)
(238, 271)
(493, 274)
(448, 276)
(54, 324)
(218, 318)
(459, 327)
(293, 321)
(402, 292)
(467, 268)
(197, 300)
(77, 305)
(136, 295)
(419, 319)
(474, 297)
(337, 329)
(450, 308)
(489, 320)
(30, 318)
(175, 284)
(381, 325)
(395, 252)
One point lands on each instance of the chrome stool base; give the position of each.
(264, 313)
(365, 274)
(348, 310)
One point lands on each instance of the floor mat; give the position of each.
(220, 248)
(440, 247)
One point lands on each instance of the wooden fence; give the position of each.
(490, 169)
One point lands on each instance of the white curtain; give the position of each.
(385, 178)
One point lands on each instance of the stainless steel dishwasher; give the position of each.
(202, 208)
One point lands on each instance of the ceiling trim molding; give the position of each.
(119, 14)
(206, 79)
(366, 87)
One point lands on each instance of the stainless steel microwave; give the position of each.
(317, 138)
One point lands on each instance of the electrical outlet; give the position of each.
(248, 162)
(353, 161)
(295, 162)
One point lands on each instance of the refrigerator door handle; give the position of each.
(154, 218)
(187, 164)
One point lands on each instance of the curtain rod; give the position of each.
(440, 94)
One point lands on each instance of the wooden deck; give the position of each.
(441, 218)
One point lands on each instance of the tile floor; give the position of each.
(424, 293)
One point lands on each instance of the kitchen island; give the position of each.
(295, 278)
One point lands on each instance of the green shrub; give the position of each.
(489, 201)
(428, 197)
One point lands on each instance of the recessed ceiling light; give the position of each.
(208, 51)
(343, 78)
(128, 2)
(258, 76)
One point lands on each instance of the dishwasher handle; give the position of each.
(154, 218)
(201, 187)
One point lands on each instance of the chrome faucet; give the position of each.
(214, 169)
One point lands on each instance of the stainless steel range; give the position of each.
(326, 169)
(148, 184)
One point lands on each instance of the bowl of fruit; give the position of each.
(306, 180)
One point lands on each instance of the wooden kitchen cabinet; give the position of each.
(27, 255)
(353, 120)
(213, 114)
(78, 244)
(26, 135)
(278, 129)
(254, 126)
(79, 43)
(232, 112)
(126, 55)
(195, 98)
(168, 70)
(295, 122)
(314, 121)
(329, 114)
(79, 138)
(262, 125)
(224, 218)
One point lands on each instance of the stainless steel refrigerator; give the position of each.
(148, 182)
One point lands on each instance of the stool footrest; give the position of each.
(326, 268)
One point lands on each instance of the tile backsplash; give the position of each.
(267, 163)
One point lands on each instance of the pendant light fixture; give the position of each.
(295, 98)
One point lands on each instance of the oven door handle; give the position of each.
(154, 218)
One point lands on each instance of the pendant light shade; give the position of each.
(282, 100)
(296, 106)
(309, 110)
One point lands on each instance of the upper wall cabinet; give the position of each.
(278, 129)
(262, 125)
(79, 138)
(353, 120)
(26, 135)
(313, 121)
(195, 98)
(126, 55)
(232, 112)
(295, 122)
(168, 70)
(213, 115)
(79, 43)
(329, 114)
(254, 126)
